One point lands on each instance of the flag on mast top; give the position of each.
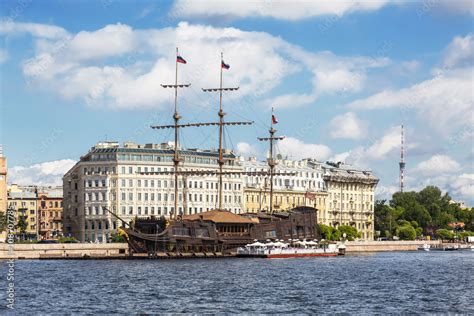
(274, 118)
(224, 65)
(180, 59)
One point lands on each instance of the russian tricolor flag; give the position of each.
(274, 119)
(181, 60)
(224, 65)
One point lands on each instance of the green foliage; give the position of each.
(117, 238)
(66, 240)
(335, 234)
(444, 234)
(428, 210)
(406, 232)
(325, 231)
(465, 234)
(419, 232)
(351, 232)
(21, 224)
(3, 221)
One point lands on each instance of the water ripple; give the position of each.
(410, 282)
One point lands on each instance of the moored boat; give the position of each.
(281, 250)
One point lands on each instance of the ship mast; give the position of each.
(271, 161)
(221, 124)
(176, 118)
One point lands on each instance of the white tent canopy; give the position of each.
(256, 244)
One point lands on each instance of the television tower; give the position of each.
(402, 162)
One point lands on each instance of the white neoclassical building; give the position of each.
(351, 197)
(121, 179)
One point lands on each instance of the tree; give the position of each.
(351, 232)
(22, 225)
(406, 232)
(3, 221)
(324, 231)
(386, 218)
(444, 234)
(117, 238)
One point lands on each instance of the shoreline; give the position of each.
(120, 251)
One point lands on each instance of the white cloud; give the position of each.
(119, 66)
(339, 80)
(35, 29)
(302, 9)
(442, 101)
(247, 150)
(297, 149)
(43, 174)
(388, 144)
(347, 126)
(385, 192)
(278, 9)
(290, 100)
(463, 186)
(436, 165)
(456, 6)
(460, 51)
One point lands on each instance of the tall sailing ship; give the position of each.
(217, 231)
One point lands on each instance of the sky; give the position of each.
(341, 76)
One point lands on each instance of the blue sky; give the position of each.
(342, 76)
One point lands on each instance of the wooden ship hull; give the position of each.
(217, 231)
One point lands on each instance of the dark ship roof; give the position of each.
(219, 216)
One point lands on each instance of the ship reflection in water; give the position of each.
(404, 282)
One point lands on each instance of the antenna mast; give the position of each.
(402, 162)
(271, 162)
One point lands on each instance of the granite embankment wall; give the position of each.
(376, 246)
(66, 251)
(120, 250)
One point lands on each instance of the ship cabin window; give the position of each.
(180, 231)
(202, 232)
(270, 234)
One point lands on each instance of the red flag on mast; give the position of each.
(274, 119)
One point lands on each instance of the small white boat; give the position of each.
(425, 247)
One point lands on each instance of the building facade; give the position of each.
(350, 198)
(39, 207)
(300, 183)
(50, 211)
(24, 202)
(137, 180)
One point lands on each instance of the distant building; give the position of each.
(350, 197)
(50, 210)
(303, 185)
(461, 204)
(112, 177)
(24, 202)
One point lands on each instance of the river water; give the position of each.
(408, 282)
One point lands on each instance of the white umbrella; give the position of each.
(281, 244)
(256, 244)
